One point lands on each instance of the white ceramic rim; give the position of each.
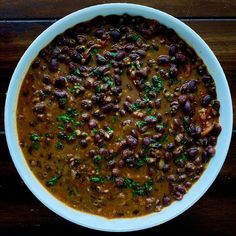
(129, 224)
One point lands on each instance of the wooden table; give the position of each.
(21, 22)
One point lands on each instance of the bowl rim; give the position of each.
(94, 221)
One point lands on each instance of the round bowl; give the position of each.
(126, 224)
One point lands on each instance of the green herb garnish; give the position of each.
(96, 179)
(53, 181)
(59, 145)
(34, 137)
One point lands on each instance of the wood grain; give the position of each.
(36, 9)
(15, 37)
(214, 212)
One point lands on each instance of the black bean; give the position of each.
(122, 112)
(172, 50)
(190, 167)
(201, 70)
(131, 141)
(60, 94)
(36, 63)
(141, 53)
(53, 66)
(119, 181)
(163, 60)
(83, 143)
(127, 106)
(115, 172)
(129, 47)
(168, 156)
(60, 82)
(147, 141)
(187, 107)
(170, 146)
(207, 79)
(100, 59)
(166, 168)
(87, 104)
(117, 80)
(192, 152)
(76, 56)
(192, 85)
(173, 70)
(46, 79)
(150, 120)
(99, 33)
(107, 108)
(178, 196)
(181, 58)
(134, 133)
(166, 200)
(92, 123)
(160, 128)
(146, 32)
(216, 129)
(111, 164)
(115, 34)
(210, 151)
(85, 116)
(120, 56)
(172, 178)
(206, 100)
(158, 103)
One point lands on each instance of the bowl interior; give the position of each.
(129, 224)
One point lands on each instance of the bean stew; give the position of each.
(118, 116)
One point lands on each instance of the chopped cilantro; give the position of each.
(53, 181)
(77, 72)
(114, 54)
(114, 119)
(181, 158)
(141, 123)
(109, 130)
(59, 145)
(34, 137)
(97, 159)
(95, 131)
(135, 106)
(135, 37)
(96, 179)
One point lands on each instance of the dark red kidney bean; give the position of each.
(192, 85)
(107, 108)
(210, 151)
(60, 94)
(127, 106)
(60, 82)
(188, 184)
(81, 39)
(141, 53)
(83, 143)
(206, 100)
(147, 141)
(168, 156)
(131, 141)
(172, 178)
(151, 171)
(115, 34)
(117, 80)
(53, 66)
(187, 107)
(46, 79)
(115, 172)
(76, 56)
(163, 60)
(181, 189)
(192, 152)
(122, 112)
(119, 181)
(182, 178)
(176, 124)
(166, 200)
(100, 59)
(191, 97)
(172, 50)
(99, 115)
(133, 56)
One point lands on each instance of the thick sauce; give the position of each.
(118, 116)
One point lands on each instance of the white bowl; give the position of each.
(128, 224)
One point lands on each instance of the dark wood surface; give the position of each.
(21, 22)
